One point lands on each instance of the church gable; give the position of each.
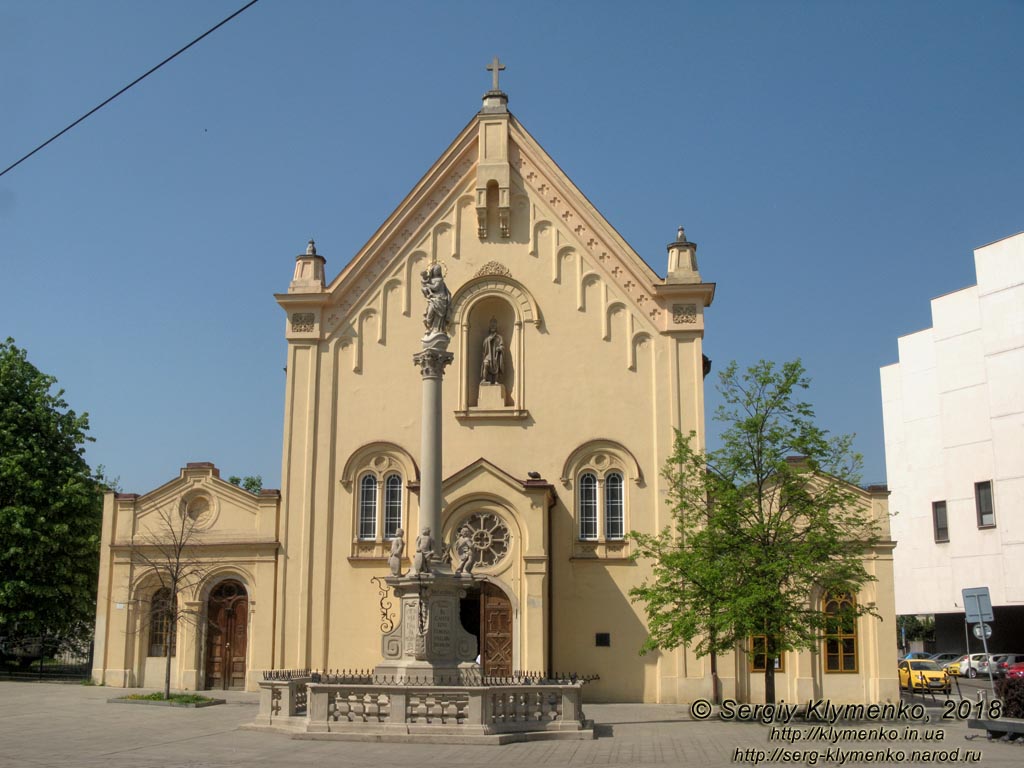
(220, 511)
(494, 203)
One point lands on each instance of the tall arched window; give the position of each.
(588, 506)
(840, 634)
(162, 632)
(368, 507)
(614, 509)
(392, 505)
(601, 472)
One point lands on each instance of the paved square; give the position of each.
(72, 726)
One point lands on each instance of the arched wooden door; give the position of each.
(495, 631)
(227, 636)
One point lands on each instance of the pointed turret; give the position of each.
(682, 260)
(309, 271)
(492, 174)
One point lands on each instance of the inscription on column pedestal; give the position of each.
(441, 629)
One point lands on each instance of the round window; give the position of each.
(490, 537)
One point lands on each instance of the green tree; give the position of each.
(51, 506)
(250, 483)
(762, 527)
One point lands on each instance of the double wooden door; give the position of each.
(227, 637)
(495, 632)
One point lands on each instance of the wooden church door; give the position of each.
(227, 637)
(495, 632)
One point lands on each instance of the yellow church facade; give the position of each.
(574, 363)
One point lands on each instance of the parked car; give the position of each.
(966, 665)
(942, 659)
(1015, 671)
(984, 664)
(1004, 662)
(923, 675)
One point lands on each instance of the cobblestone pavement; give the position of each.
(45, 725)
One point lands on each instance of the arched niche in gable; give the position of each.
(492, 296)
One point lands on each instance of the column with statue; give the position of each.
(429, 644)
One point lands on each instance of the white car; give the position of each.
(967, 666)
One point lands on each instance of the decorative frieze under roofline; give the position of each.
(451, 177)
(616, 262)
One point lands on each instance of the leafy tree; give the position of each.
(916, 628)
(51, 506)
(250, 483)
(762, 527)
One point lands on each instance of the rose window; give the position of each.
(490, 537)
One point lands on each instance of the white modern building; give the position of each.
(953, 409)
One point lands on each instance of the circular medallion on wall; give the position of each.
(201, 508)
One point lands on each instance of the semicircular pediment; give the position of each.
(493, 282)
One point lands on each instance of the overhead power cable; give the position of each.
(133, 82)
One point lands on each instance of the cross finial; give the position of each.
(495, 67)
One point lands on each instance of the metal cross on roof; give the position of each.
(495, 67)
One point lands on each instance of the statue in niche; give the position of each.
(424, 553)
(465, 551)
(439, 300)
(397, 550)
(493, 363)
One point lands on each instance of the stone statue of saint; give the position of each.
(465, 551)
(424, 553)
(493, 363)
(397, 550)
(439, 300)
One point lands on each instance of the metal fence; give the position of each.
(466, 678)
(46, 658)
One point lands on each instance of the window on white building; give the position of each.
(983, 503)
(940, 522)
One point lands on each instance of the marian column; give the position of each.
(429, 644)
(432, 360)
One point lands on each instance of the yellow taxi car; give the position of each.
(923, 675)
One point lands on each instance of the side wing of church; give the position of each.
(574, 364)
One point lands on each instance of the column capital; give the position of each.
(432, 362)
(434, 355)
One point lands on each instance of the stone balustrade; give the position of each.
(282, 701)
(454, 714)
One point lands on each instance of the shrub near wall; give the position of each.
(1011, 691)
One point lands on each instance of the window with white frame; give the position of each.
(368, 506)
(380, 505)
(601, 506)
(392, 505)
(614, 506)
(588, 506)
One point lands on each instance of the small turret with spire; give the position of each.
(682, 260)
(309, 271)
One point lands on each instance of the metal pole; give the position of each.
(984, 644)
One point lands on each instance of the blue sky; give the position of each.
(836, 162)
